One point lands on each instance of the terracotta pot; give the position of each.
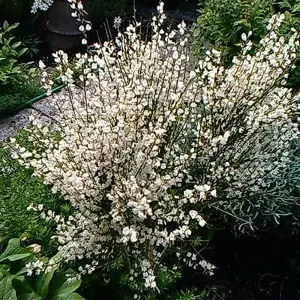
(63, 32)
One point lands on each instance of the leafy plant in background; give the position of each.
(21, 276)
(31, 31)
(221, 23)
(32, 43)
(19, 82)
(12, 71)
(291, 8)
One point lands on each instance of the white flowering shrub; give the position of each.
(150, 140)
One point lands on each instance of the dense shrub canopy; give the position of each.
(149, 140)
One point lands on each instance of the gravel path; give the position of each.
(9, 126)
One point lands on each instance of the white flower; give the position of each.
(84, 41)
(133, 237)
(193, 214)
(214, 193)
(81, 28)
(117, 22)
(244, 37)
(126, 230)
(41, 65)
(35, 248)
(160, 8)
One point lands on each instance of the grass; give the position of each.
(18, 189)
(12, 99)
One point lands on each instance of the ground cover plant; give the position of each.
(151, 144)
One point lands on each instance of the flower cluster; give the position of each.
(149, 140)
(117, 22)
(35, 267)
(79, 13)
(40, 5)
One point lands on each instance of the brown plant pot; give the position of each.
(63, 29)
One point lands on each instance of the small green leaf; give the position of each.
(296, 7)
(29, 296)
(42, 283)
(285, 4)
(5, 25)
(13, 26)
(16, 45)
(24, 290)
(23, 51)
(7, 292)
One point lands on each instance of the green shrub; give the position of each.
(18, 81)
(221, 23)
(12, 71)
(30, 33)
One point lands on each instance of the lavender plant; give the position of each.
(150, 140)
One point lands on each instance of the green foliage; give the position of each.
(18, 81)
(167, 279)
(19, 11)
(221, 23)
(32, 42)
(18, 189)
(17, 96)
(11, 70)
(291, 9)
(190, 295)
(15, 284)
